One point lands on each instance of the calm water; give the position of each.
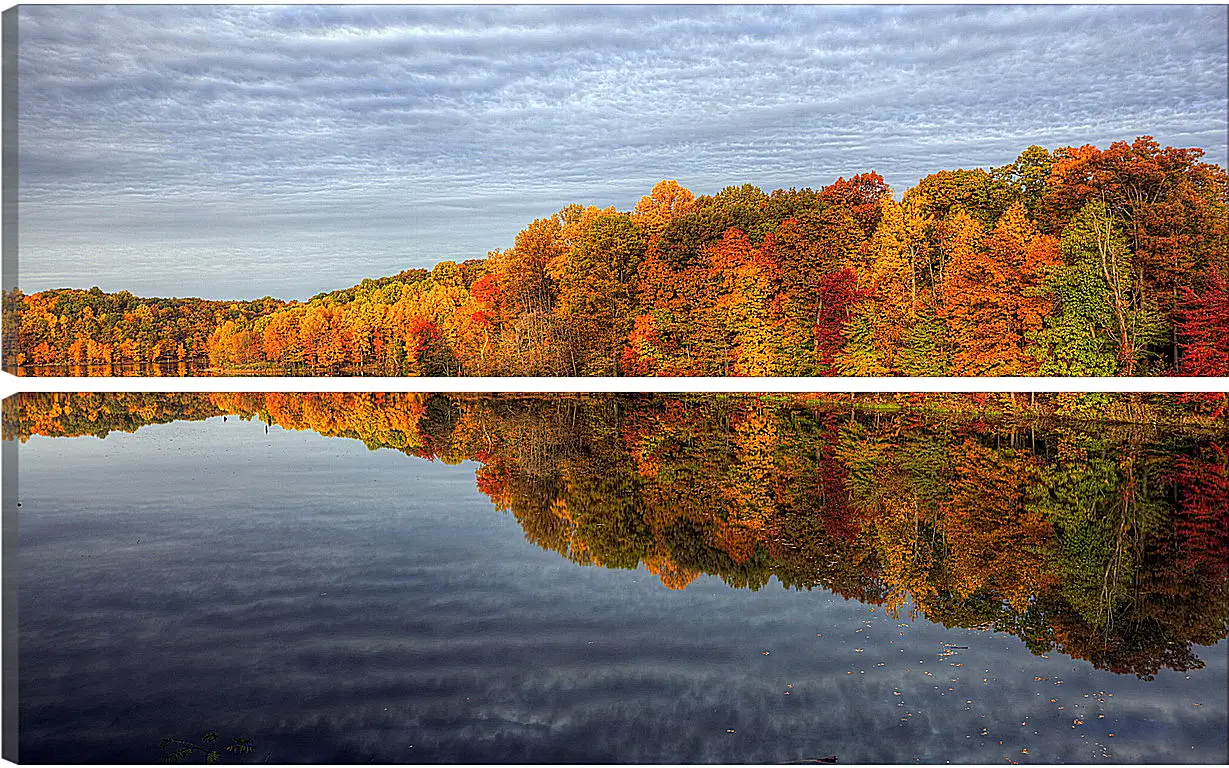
(339, 604)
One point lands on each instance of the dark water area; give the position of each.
(652, 579)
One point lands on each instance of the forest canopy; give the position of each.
(1077, 261)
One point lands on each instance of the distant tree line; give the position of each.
(1078, 261)
(76, 327)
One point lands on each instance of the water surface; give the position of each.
(656, 580)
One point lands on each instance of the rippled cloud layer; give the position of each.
(241, 151)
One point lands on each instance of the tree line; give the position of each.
(1077, 261)
(1105, 542)
(77, 327)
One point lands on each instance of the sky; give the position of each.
(243, 151)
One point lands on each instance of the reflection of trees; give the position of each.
(1105, 543)
(58, 414)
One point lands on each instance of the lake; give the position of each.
(606, 579)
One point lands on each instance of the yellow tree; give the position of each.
(881, 318)
(982, 328)
(744, 275)
(597, 287)
(667, 202)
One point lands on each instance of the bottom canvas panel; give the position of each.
(616, 578)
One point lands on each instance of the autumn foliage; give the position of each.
(1076, 261)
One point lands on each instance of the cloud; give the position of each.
(161, 142)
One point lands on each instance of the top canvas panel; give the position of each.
(478, 191)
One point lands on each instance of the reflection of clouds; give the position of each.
(339, 605)
(356, 139)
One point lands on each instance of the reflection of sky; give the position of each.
(236, 151)
(341, 605)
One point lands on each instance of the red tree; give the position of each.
(838, 293)
(1203, 328)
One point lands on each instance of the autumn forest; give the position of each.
(1078, 261)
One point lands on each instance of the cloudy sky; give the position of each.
(242, 151)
